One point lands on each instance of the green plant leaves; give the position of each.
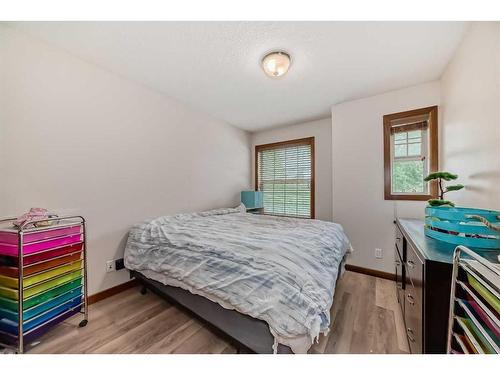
(454, 187)
(440, 202)
(447, 176)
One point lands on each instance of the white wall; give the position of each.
(471, 116)
(322, 131)
(78, 139)
(468, 96)
(358, 172)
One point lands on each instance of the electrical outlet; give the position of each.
(119, 264)
(378, 253)
(110, 266)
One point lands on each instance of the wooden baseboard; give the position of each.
(112, 291)
(371, 272)
(130, 284)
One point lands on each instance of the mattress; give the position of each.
(280, 270)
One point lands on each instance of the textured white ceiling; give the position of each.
(215, 66)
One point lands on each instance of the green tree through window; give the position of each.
(408, 161)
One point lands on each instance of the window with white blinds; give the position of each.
(285, 174)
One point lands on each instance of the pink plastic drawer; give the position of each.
(10, 236)
(39, 240)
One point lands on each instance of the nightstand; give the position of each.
(253, 201)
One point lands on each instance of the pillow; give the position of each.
(222, 211)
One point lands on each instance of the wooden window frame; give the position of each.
(433, 152)
(300, 141)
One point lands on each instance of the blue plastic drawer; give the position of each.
(10, 326)
(42, 307)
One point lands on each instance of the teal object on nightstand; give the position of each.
(461, 226)
(252, 199)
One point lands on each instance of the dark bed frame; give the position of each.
(247, 334)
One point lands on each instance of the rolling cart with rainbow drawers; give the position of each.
(43, 275)
(474, 320)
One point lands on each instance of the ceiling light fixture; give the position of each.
(276, 63)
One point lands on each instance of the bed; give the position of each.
(266, 282)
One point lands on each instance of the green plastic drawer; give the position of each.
(11, 304)
(485, 293)
(41, 298)
(11, 282)
(52, 283)
(8, 304)
(8, 293)
(41, 308)
(13, 294)
(483, 343)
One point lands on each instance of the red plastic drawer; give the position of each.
(35, 258)
(47, 264)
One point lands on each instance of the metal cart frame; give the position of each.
(459, 251)
(21, 231)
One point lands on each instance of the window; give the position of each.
(285, 174)
(410, 154)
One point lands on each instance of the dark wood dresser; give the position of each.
(423, 274)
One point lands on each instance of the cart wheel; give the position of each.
(144, 290)
(83, 323)
(7, 351)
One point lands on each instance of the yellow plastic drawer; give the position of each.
(14, 293)
(11, 282)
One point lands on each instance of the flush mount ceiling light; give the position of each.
(276, 64)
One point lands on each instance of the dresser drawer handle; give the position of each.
(409, 334)
(410, 263)
(410, 299)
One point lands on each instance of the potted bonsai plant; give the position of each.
(440, 176)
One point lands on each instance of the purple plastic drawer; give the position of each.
(39, 240)
(10, 339)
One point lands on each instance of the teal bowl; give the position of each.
(454, 225)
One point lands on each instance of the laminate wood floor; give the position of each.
(366, 319)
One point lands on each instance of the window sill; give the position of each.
(290, 216)
(415, 197)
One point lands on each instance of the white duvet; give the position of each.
(280, 270)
